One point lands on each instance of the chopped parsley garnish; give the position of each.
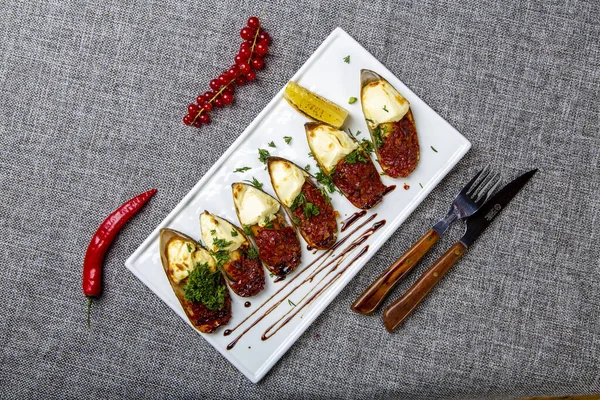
(291, 303)
(221, 256)
(243, 169)
(298, 201)
(206, 287)
(221, 243)
(248, 230)
(385, 109)
(272, 144)
(356, 156)
(254, 182)
(311, 155)
(352, 100)
(352, 134)
(252, 252)
(268, 223)
(310, 209)
(433, 148)
(262, 155)
(296, 220)
(287, 139)
(382, 173)
(370, 120)
(420, 185)
(307, 168)
(213, 232)
(325, 179)
(377, 136)
(189, 247)
(325, 195)
(234, 232)
(347, 59)
(367, 145)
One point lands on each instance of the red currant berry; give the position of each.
(229, 89)
(245, 45)
(253, 22)
(218, 101)
(257, 63)
(227, 98)
(264, 36)
(261, 48)
(205, 118)
(188, 119)
(250, 76)
(247, 33)
(193, 109)
(245, 52)
(240, 80)
(233, 72)
(223, 79)
(198, 122)
(240, 59)
(245, 68)
(207, 96)
(200, 100)
(207, 107)
(214, 84)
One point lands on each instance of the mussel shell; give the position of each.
(311, 181)
(220, 318)
(283, 268)
(233, 255)
(367, 76)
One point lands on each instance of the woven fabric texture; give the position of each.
(91, 99)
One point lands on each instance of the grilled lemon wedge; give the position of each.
(314, 106)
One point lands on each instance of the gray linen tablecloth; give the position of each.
(91, 99)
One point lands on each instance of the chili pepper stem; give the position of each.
(89, 306)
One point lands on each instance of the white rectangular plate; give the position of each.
(326, 73)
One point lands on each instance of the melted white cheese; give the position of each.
(377, 97)
(179, 254)
(214, 227)
(287, 180)
(183, 256)
(254, 206)
(330, 145)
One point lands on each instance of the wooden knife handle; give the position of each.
(397, 312)
(373, 296)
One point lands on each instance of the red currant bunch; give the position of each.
(248, 60)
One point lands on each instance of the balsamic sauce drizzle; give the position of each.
(352, 219)
(324, 257)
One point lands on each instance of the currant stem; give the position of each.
(224, 87)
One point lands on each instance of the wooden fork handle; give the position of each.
(374, 295)
(397, 312)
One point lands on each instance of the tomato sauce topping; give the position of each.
(209, 319)
(318, 230)
(279, 249)
(359, 182)
(246, 274)
(399, 152)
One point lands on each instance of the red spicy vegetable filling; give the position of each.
(399, 152)
(319, 230)
(246, 275)
(210, 319)
(360, 182)
(279, 249)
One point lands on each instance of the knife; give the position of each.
(397, 312)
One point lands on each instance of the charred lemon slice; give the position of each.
(314, 106)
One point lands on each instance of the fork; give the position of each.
(470, 198)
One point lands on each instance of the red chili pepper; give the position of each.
(101, 241)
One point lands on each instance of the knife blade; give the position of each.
(399, 310)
